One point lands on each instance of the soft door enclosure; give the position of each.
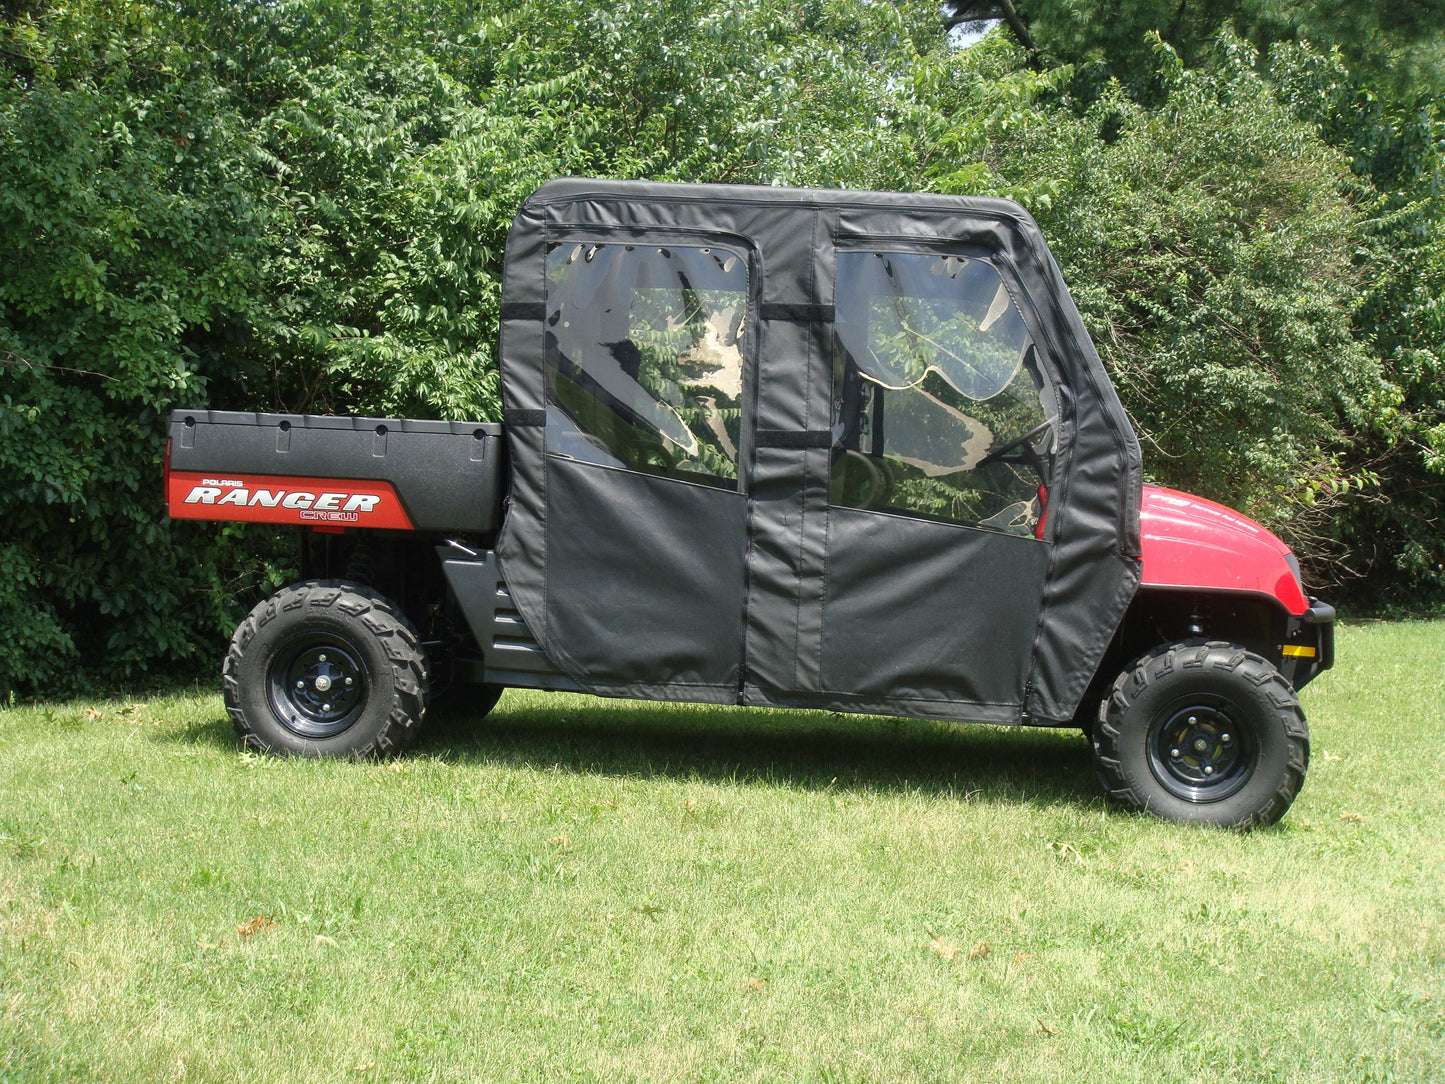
(809, 448)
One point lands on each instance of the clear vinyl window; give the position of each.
(940, 409)
(645, 357)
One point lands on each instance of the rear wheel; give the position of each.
(1204, 733)
(326, 668)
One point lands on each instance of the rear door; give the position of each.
(647, 357)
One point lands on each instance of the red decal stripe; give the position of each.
(305, 502)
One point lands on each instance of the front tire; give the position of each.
(1203, 733)
(326, 668)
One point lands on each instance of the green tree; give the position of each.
(123, 238)
(302, 205)
(1397, 144)
(1367, 80)
(1211, 249)
(1399, 42)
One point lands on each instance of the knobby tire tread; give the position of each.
(1220, 657)
(397, 635)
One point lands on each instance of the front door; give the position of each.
(943, 427)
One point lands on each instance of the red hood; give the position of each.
(1192, 542)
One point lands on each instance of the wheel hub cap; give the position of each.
(317, 688)
(1195, 749)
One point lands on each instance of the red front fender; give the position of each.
(1190, 542)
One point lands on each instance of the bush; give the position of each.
(1210, 242)
(125, 234)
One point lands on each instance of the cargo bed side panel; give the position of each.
(358, 472)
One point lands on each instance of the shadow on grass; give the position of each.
(806, 749)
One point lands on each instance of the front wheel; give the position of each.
(326, 668)
(1203, 733)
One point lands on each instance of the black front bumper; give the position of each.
(1309, 646)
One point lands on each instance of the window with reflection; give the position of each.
(940, 409)
(645, 357)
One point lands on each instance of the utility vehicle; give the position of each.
(764, 446)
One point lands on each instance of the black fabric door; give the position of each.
(943, 435)
(645, 371)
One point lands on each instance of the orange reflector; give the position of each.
(1299, 651)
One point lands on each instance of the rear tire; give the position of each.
(1203, 733)
(326, 668)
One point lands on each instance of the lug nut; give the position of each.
(1208, 770)
(1174, 753)
(1223, 737)
(348, 681)
(327, 707)
(301, 685)
(322, 658)
(1192, 720)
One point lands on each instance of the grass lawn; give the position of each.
(587, 890)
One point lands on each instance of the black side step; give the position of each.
(511, 655)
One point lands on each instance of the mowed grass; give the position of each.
(587, 890)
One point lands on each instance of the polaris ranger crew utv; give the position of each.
(811, 449)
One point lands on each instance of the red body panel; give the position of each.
(307, 502)
(1194, 543)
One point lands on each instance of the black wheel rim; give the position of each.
(317, 686)
(1202, 748)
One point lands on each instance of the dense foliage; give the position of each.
(1366, 81)
(126, 246)
(301, 205)
(1211, 246)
